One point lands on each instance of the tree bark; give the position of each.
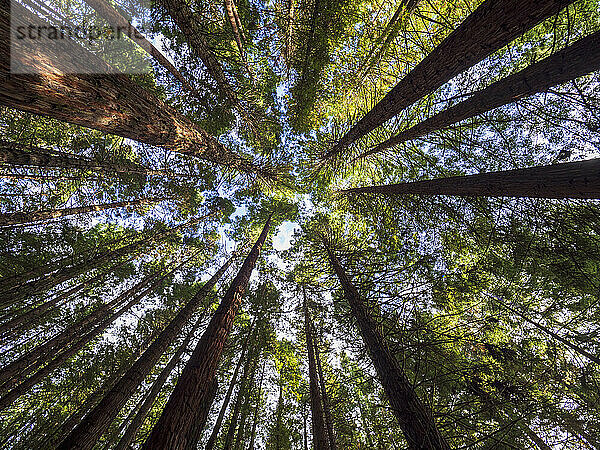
(574, 61)
(413, 417)
(320, 441)
(324, 396)
(74, 347)
(16, 154)
(111, 103)
(192, 389)
(157, 386)
(89, 431)
(217, 427)
(579, 179)
(256, 408)
(17, 218)
(494, 24)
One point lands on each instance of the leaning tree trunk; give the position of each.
(494, 24)
(413, 417)
(579, 179)
(19, 218)
(65, 354)
(320, 441)
(324, 396)
(256, 408)
(17, 154)
(182, 410)
(111, 103)
(114, 17)
(91, 428)
(574, 61)
(217, 427)
(246, 405)
(157, 385)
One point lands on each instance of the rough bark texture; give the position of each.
(574, 61)
(111, 103)
(16, 218)
(99, 419)
(494, 24)
(579, 179)
(217, 427)
(68, 352)
(190, 395)
(16, 154)
(320, 441)
(413, 417)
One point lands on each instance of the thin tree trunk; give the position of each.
(324, 396)
(234, 21)
(111, 103)
(16, 218)
(74, 348)
(157, 386)
(571, 62)
(91, 428)
(494, 24)
(320, 441)
(114, 17)
(238, 399)
(256, 408)
(16, 154)
(580, 179)
(191, 391)
(546, 330)
(10, 327)
(413, 417)
(246, 406)
(20, 291)
(217, 427)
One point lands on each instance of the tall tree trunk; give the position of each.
(239, 397)
(246, 406)
(157, 386)
(114, 17)
(256, 408)
(580, 179)
(91, 428)
(16, 218)
(571, 62)
(320, 441)
(235, 25)
(16, 154)
(66, 353)
(111, 103)
(20, 291)
(494, 24)
(217, 427)
(549, 332)
(324, 396)
(413, 417)
(191, 391)
(28, 318)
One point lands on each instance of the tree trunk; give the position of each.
(580, 179)
(246, 406)
(320, 441)
(16, 324)
(111, 103)
(89, 431)
(256, 408)
(238, 399)
(413, 417)
(16, 154)
(494, 24)
(217, 427)
(574, 61)
(157, 386)
(191, 391)
(16, 218)
(114, 18)
(324, 396)
(66, 353)
(235, 25)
